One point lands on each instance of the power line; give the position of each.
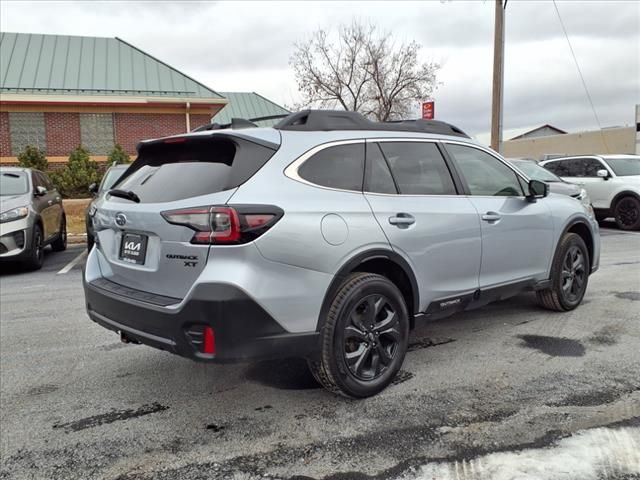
(584, 84)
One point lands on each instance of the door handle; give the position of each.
(402, 220)
(491, 217)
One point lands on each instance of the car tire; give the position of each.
(626, 212)
(364, 339)
(569, 275)
(60, 243)
(36, 255)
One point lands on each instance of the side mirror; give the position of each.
(602, 173)
(40, 191)
(537, 189)
(93, 188)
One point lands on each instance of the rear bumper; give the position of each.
(243, 330)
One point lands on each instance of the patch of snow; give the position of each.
(596, 454)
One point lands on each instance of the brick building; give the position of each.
(58, 92)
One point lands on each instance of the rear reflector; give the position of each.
(209, 345)
(257, 220)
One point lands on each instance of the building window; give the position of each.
(27, 128)
(96, 132)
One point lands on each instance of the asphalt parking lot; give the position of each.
(76, 403)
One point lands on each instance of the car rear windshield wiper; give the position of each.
(126, 194)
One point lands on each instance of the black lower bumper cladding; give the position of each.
(243, 329)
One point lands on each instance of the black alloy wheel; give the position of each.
(364, 337)
(569, 275)
(371, 337)
(627, 213)
(574, 273)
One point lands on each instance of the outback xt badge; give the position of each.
(189, 260)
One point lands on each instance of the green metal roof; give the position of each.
(248, 105)
(66, 65)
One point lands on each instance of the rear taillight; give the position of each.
(225, 224)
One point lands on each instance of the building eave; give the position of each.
(22, 99)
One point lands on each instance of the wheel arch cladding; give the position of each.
(382, 262)
(580, 228)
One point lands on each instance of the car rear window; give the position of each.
(341, 166)
(182, 168)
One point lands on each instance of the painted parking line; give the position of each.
(73, 262)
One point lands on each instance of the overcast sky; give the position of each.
(245, 46)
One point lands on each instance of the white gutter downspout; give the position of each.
(187, 117)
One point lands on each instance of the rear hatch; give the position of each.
(140, 248)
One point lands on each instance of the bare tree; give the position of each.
(364, 71)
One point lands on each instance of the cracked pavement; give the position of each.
(78, 404)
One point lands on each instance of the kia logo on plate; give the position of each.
(121, 219)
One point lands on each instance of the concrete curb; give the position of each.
(76, 238)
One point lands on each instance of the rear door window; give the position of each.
(341, 166)
(378, 178)
(418, 168)
(584, 167)
(559, 167)
(178, 169)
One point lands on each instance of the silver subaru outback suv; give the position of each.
(325, 237)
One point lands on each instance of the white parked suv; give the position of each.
(612, 182)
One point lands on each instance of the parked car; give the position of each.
(612, 182)
(556, 184)
(31, 216)
(110, 177)
(325, 237)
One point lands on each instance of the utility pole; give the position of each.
(498, 77)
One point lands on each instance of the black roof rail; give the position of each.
(269, 117)
(238, 123)
(327, 120)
